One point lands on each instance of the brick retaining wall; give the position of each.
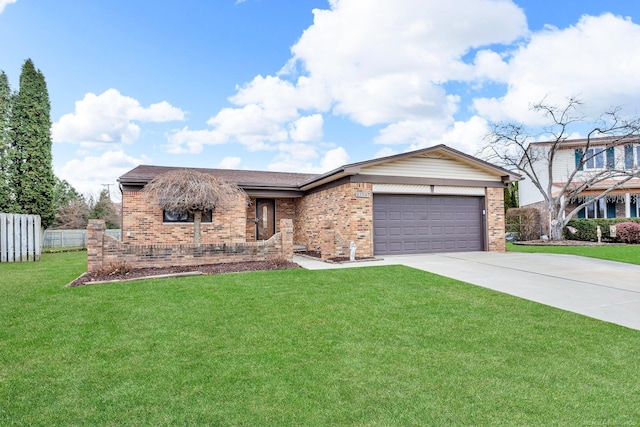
(104, 252)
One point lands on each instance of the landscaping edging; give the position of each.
(127, 275)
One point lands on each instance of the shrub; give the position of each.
(115, 269)
(278, 261)
(628, 232)
(581, 229)
(586, 228)
(523, 221)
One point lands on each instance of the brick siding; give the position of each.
(330, 219)
(142, 223)
(495, 220)
(104, 252)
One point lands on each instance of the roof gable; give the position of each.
(431, 165)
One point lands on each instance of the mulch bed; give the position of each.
(235, 267)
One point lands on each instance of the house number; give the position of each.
(362, 194)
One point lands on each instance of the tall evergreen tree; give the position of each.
(31, 168)
(7, 203)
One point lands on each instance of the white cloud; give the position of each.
(308, 128)
(190, 141)
(375, 62)
(109, 118)
(88, 174)
(598, 60)
(5, 3)
(419, 132)
(229, 162)
(466, 136)
(251, 125)
(384, 152)
(292, 160)
(384, 61)
(334, 159)
(299, 151)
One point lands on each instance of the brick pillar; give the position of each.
(95, 236)
(495, 220)
(286, 231)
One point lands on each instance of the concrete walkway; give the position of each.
(604, 290)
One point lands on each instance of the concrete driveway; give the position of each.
(604, 290)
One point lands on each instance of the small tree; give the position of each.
(104, 208)
(73, 216)
(63, 193)
(72, 210)
(192, 191)
(510, 145)
(511, 196)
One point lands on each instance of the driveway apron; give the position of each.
(604, 290)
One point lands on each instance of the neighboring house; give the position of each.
(431, 200)
(599, 157)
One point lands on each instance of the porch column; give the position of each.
(627, 205)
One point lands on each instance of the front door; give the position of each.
(265, 218)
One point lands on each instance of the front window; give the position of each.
(183, 216)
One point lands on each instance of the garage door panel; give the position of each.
(427, 224)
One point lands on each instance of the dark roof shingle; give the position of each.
(145, 173)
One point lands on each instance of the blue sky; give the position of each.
(306, 85)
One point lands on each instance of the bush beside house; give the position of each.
(628, 232)
(525, 222)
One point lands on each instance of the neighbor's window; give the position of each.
(599, 209)
(183, 216)
(631, 156)
(595, 158)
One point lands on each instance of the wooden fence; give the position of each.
(19, 237)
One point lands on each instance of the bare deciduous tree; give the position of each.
(517, 147)
(72, 216)
(192, 191)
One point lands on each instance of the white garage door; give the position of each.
(413, 224)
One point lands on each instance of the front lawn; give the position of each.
(621, 253)
(364, 346)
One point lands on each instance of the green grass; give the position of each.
(621, 253)
(373, 346)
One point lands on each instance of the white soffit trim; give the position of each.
(426, 189)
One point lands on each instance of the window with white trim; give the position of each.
(595, 158)
(632, 156)
(602, 208)
(635, 206)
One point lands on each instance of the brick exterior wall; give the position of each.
(330, 219)
(495, 220)
(104, 252)
(142, 223)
